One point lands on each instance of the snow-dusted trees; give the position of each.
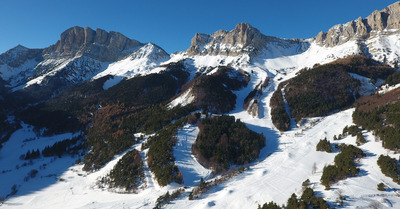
(127, 173)
(324, 145)
(390, 167)
(344, 165)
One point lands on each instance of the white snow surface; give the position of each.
(16, 76)
(367, 86)
(184, 99)
(386, 88)
(284, 163)
(190, 168)
(139, 62)
(385, 47)
(15, 171)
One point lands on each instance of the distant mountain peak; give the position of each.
(18, 55)
(150, 50)
(19, 47)
(98, 44)
(243, 39)
(245, 28)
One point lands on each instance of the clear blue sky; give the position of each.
(171, 24)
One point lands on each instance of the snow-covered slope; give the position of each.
(385, 47)
(17, 75)
(146, 58)
(66, 70)
(140, 62)
(288, 159)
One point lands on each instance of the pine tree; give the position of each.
(381, 187)
(270, 205)
(292, 202)
(360, 139)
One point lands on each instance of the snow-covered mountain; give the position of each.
(376, 35)
(79, 55)
(248, 66)
(83, 53)
(141, 62)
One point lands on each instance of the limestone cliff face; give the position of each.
(378, 21)
(97, 44)
(243, 39)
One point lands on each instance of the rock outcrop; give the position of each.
(243, 39)
(384, 21)
(99, 44)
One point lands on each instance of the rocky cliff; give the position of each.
(243, 39)
(385, 21)
(97, 44)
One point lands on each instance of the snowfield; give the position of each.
(191, 169)
(287, 160)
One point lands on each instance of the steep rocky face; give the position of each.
(243, 39)
(99, 44)
(385, 21)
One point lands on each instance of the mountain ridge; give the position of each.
(378, 21)
(244, 38)
(109, 47)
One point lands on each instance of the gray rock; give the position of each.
(243, 39)
(99, 44)
(360, 29)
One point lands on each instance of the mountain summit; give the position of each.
(243, 39)
(97, 44)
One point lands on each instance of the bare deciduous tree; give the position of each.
(314, 168)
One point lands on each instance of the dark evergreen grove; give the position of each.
(380, 114)
(279, 116)
(344, 165)
(390, 167)
(324, 145)
(214, 92)
(324, 88)
(160, 157)
(308, 199)
(223, 141)
(127, 173)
